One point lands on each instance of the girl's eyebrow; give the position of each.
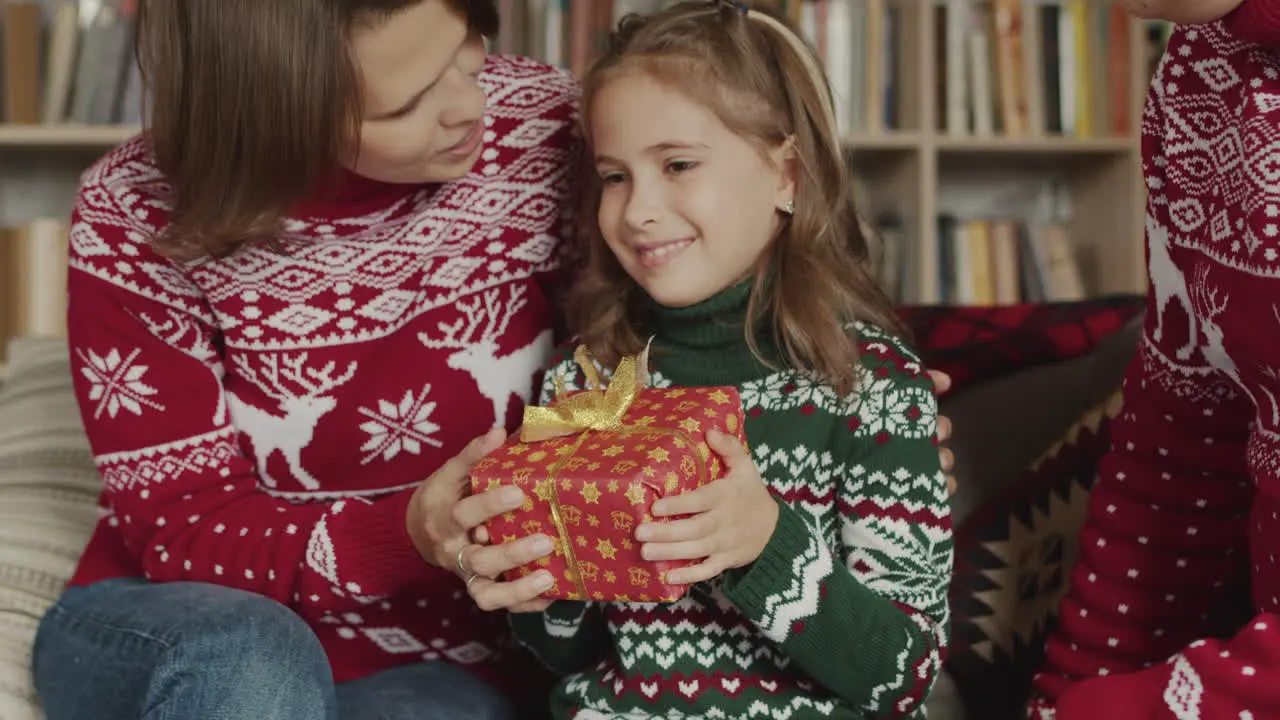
(664, 146)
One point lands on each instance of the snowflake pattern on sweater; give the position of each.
(1188, 498)
(260, 421)
(845, 613)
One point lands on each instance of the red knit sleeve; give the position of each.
(1255, 21)
(1236, 678)
(183, 495)
(1165, 528)
(1166, 525)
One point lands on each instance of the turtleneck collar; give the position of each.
(704, 344)
(350, 194)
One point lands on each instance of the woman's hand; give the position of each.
(732, 519)
(442, 518)
(1182, 12)
(941, 384)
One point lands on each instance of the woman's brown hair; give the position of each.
(254, 104)
(766, 84)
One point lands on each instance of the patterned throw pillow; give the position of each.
(976, 344)
(1013, 557)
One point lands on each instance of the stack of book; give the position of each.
(69, 61)
(1033, 67)
(33, 280)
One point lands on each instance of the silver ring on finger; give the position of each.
(463, 570)
(471, 579)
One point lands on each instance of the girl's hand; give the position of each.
(1182, 12)
(732, 519)
(442, 518)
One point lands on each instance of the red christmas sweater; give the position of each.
(260, 422)
(1188, 499)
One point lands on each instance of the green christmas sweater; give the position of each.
(845, 613)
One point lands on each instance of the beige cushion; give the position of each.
(48, 498)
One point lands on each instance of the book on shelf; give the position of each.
(1005, 261)
(33, 280)
(1033, 67)
(69, 61)
(857, 40)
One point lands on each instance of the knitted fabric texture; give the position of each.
(1188, 499)
(844, 615)
(261, 421)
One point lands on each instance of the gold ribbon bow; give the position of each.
(595, 408)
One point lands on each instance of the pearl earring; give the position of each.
(789, 208)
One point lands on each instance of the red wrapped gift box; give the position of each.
(592, 464)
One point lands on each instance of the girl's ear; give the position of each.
(786, 161)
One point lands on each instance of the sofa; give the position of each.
(1035, 387)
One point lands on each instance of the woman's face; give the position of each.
(423, 109)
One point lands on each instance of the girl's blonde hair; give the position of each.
(764, 83)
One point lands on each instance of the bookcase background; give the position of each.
(921, 172)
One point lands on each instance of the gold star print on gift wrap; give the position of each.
(612, 451)
(590, 493)
(606, 549)
(720, 397)
(659, 455)
(635, 493)
(691, 426)
(545, 489)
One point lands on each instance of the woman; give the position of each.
(325, 269)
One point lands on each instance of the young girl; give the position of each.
(726, 232)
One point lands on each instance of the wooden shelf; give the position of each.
(1035, 144)
(67, 136)
(892, 140)
(917, 172)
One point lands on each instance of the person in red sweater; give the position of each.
(325, 272)
(1188, 499)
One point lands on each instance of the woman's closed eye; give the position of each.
(612, 178)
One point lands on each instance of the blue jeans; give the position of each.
(130, 650)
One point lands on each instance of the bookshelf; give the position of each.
(91, 137)
(911, 166)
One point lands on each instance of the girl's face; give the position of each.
(687, 206)
(423, 115)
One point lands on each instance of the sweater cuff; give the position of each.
(561, 619)
(387, 556)
(1256, 21)
(750, 587)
